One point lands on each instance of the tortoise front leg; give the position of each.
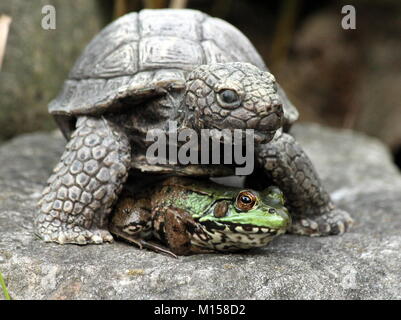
(288, 166)
(85, 184)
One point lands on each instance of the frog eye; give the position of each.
(245, 201)
(228, 98)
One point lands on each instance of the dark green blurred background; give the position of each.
(342, 78)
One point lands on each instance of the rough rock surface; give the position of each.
(362, 264)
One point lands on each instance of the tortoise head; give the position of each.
(234, 96)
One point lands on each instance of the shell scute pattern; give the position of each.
(164, 52)
(104, 45)
(120, 61)
(229, 37)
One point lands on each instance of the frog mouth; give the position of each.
(229, 227)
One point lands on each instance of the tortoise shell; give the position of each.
(144, 54)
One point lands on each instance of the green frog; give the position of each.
(189, 216)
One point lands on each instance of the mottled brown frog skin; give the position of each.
(189, 217)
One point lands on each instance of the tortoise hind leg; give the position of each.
(85, 184)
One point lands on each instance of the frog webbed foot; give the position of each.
(333, 222)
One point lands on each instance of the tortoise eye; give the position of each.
(228, 97)
(245, 201)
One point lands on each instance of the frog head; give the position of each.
(250, 219)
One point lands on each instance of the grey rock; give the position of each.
(362, 264)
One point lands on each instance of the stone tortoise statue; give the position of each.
(153, 66)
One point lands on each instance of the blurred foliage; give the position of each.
(343, 78)
(37, 61)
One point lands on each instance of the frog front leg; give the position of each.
(84, 185)
(287, 166)
(177, 229)
(132, 222)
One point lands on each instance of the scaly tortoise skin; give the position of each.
(138, 73)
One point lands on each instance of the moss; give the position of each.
(3, 286)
